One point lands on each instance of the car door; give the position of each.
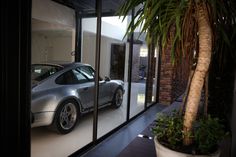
(103, 85)
(85, 89)
(103, 92)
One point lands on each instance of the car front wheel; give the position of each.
(117, 98)
(66, 117)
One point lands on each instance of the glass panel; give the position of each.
(53, 41)
(139, 72)
(113, 64)
(152, 77)
(87, 72)
(138, 80)
(40, 72)
(155, 77)
(81, 78)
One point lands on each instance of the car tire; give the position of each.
(66, 117)
(117, 98)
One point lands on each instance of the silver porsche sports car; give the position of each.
(63, 92)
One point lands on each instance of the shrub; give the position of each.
(168, 129)
(207, 134)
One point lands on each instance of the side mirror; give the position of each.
(107, 78)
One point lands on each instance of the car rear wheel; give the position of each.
(66, 117)
(117, 98)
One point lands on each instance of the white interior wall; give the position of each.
(39, 47)
(89, 41)
(126, 62)
(51, 46)
(105, 57)
(61, 48)
(112, 31)
(73, 41)
(107, 29)
(53, 31)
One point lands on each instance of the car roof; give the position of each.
(62, 64)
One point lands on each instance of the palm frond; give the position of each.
(156, 17)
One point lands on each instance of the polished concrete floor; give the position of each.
(46, 143)
(113, 145)
(116, 143)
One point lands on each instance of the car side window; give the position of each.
(86, 71)
(81, 77)
(67, 78)
(41, 72)
(81, 74)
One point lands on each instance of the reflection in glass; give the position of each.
(141, 98)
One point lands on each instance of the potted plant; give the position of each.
(207, 133)
(196, 30)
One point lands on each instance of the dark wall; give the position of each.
(221, 87)
(233, 122)
(15, 77)
(222, 92)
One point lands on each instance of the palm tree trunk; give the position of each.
(204, 58)
(206, 87)
(182, 107)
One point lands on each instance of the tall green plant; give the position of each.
(195, 25)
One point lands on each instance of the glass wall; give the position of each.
(57, 31)
(113, 65)
(138, 77)
(54, 110)
(152, 76)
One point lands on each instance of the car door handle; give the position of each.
(86, 88)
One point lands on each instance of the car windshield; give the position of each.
(40, 72)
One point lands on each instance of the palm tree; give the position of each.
(198, 26)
